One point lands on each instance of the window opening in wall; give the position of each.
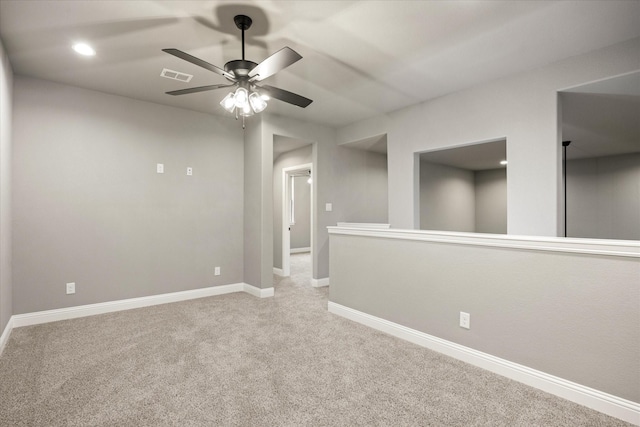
(464, 188)
(601, 170)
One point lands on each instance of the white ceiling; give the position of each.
(360, 58)
(476, 157)
(377, 144)
(283, 144)
(628, 84)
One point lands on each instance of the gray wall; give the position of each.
(523, 108)
(572, 315)
(252, 209)
(455, 199)
(296, 157)
(258, 203)
(354, 181)
(90, 208)
(603, 197)
(447, 198)
(301, 230)
(491, 201)
(363, 185)
(6, 88)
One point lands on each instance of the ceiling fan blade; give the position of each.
(199, 62)
(276, 62)
(286, 96)
(197, 89)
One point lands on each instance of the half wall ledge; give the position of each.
(559, 314)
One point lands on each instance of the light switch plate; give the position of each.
(328, 207)
(160, 168)
(71, 288)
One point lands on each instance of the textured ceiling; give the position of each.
(360, 58)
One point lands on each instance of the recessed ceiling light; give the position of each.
(503, 162)
(84, 49)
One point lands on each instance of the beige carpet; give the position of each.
(238, 360)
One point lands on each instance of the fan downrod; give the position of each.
(243, 22)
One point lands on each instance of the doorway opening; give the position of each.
(297, 218)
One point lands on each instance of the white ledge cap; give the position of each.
(618, 248)
(373, 225)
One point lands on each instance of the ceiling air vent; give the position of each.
(176, 75)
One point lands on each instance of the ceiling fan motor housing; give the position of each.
(240, 68)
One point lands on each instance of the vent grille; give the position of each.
(175, 75)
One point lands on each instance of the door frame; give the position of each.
(286, 233)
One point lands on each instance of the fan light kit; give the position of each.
(247, 98)
(244, 104)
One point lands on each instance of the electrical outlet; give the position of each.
(160, 168)
(189, 171)
(465, 320)
(71, 288)
(217, 271)
(328, 207)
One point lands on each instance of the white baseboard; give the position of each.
(299, 250)
(603, 402)
(258, 292)
(278, 271)
(127, 304)
(318, 283)
(5, 334)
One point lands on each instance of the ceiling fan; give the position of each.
(248, 97)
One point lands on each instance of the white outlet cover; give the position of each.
(217, 271)
(328, 207)
(71, 288)
(160, 168)
(189, 171)
(465, 320)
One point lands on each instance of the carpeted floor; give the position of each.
(237, 360)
